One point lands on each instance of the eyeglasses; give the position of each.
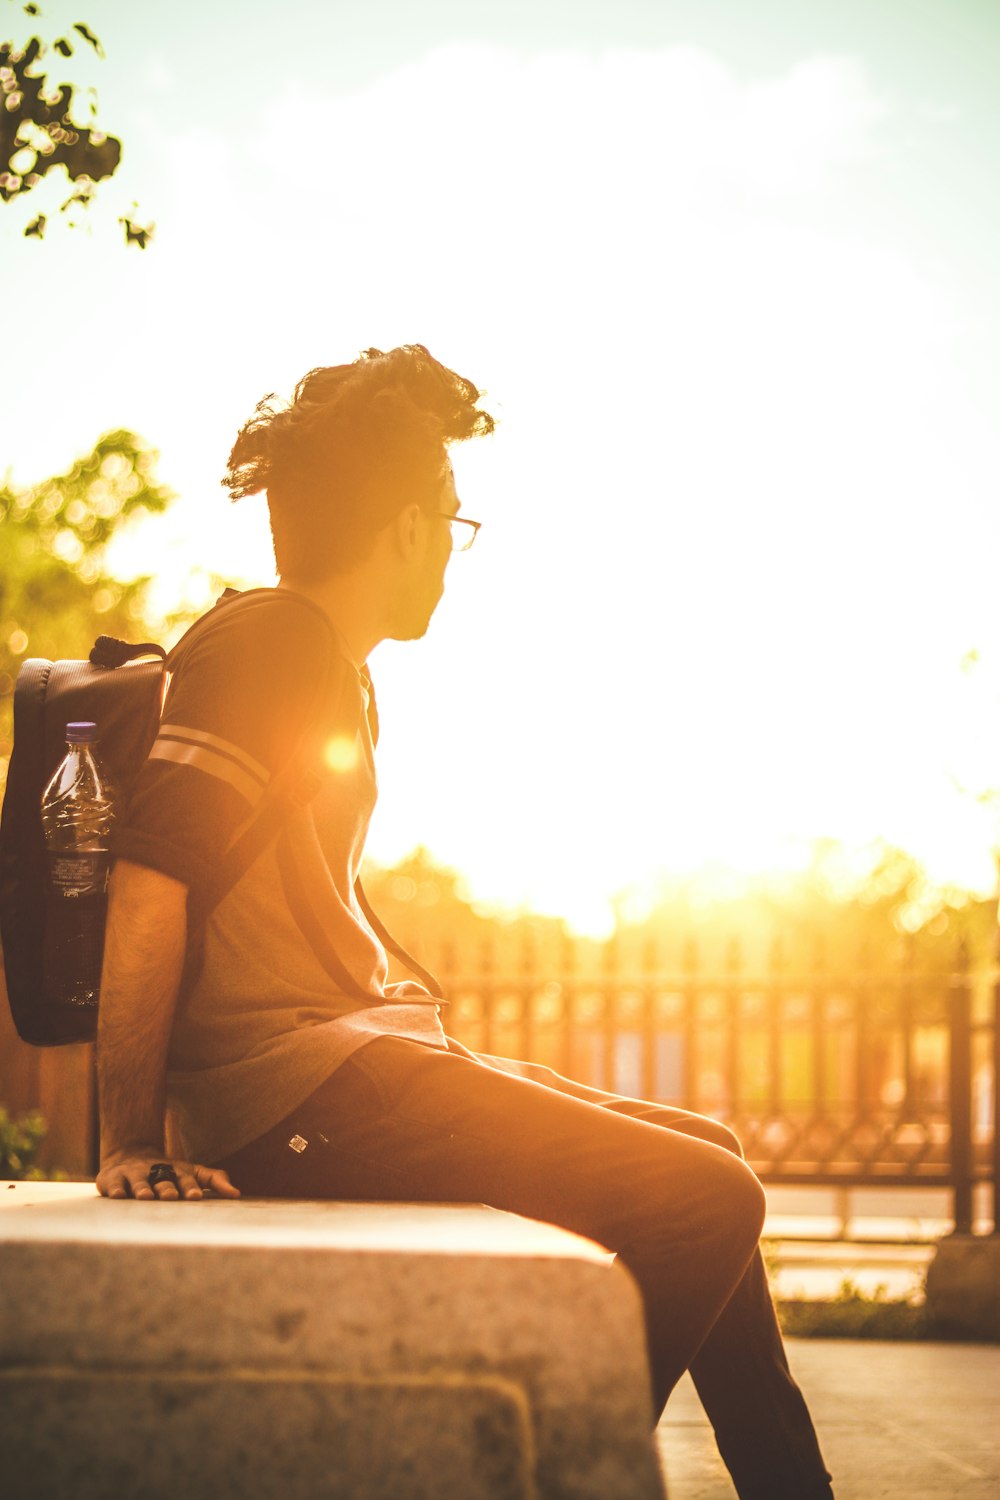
(463, 532)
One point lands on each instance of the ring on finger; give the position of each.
(162, 1171)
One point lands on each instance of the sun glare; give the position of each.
(341, 753)
(739, 520)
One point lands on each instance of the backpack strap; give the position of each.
(311, 926)
(378, 927)
(396, 949)
(294, 787)
(295, 784)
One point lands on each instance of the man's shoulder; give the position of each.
(258, 667)
(262, 624)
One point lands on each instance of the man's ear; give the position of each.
(407, 528)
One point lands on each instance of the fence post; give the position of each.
(734, 970)
(487, 989)
(610, 969)
(650, 960)
(568, 1021)
(775, 1012)
(689, 1061)
(960, 1090)
(817, 1026)
(529, 971)
(996, 1093)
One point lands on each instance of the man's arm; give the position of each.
(143, 961)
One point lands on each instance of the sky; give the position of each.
(728, 275)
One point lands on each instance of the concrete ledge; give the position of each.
(963, 1287)
(268, 1348)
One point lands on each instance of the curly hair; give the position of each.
(356, 444)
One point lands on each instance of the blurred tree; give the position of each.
(56, 593)
(851, 911)
(978, 776)
(41, 128)
(424, 904)
(20, 1139)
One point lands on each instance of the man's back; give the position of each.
(261, 1019)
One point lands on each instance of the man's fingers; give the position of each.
(112, 1184)
(128, 1182)
(218, 1180)
(132, 1180)
(188, 1183)
(120, 1183)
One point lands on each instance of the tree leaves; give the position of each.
(88, 36)
(137, 234)
(56, 592)
(41, 117)
(40, 131)
(20, 1138)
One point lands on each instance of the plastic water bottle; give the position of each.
(76, 819)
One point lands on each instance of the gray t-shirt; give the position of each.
(264, 1022)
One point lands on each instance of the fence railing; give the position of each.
(872, 1078)
(861, 1079)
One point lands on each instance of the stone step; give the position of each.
(302, 1350)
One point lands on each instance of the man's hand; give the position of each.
(125, 1174)
(143, 961)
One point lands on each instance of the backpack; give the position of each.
(124, 694)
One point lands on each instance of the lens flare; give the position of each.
(341, 753)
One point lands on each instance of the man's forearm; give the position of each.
(143, 962)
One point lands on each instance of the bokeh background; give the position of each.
(727, 275)
(693, 789)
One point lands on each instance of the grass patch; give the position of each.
(20, 1138)
(854, 1314)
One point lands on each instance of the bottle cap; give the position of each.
(83, 733)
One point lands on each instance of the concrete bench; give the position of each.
(261, 1349)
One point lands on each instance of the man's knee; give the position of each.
(746, 1185)
(718, 1134)
(753, 1200)
(722, 1201)
(739, 1199)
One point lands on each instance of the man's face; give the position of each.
(425, 584)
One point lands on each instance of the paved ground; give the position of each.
(897, 1421)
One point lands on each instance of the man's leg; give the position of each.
(412, 1123)
(761, 1421)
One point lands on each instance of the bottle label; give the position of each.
(79, 874)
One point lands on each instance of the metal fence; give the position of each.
(864, 1079)
(871, 1078)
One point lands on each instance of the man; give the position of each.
(291, 1066)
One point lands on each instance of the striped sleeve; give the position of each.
(215, 756)
(236, 708)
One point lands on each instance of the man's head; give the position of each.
(415, 546)
(361, 446)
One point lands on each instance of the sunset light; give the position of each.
(556, 980)
(736, 319)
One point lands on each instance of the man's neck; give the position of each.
(346, 600)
